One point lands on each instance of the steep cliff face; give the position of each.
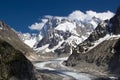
(115, 22)
(9, 35)
(100, 52)
(13, 64)
(114, 64)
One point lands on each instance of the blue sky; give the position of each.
(20, 14)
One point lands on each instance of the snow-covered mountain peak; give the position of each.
(76, 16)
(66, 26)
(60, 34)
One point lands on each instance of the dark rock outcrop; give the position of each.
(115, 22)
(13, 64)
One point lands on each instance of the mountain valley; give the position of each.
(82, 46)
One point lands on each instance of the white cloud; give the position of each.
(38, 26)
(102, 16)
(78, 15)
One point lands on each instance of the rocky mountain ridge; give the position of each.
(100, 51)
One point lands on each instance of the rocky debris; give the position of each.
(64, 49)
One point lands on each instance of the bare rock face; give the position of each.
(114, 64)
(99, 32)
(115, 22)
(13, 64)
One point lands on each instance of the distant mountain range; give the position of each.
(60, 34)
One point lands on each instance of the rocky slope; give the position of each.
(13, 64)
(9, 35)
(100, 52)
(14, 55)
